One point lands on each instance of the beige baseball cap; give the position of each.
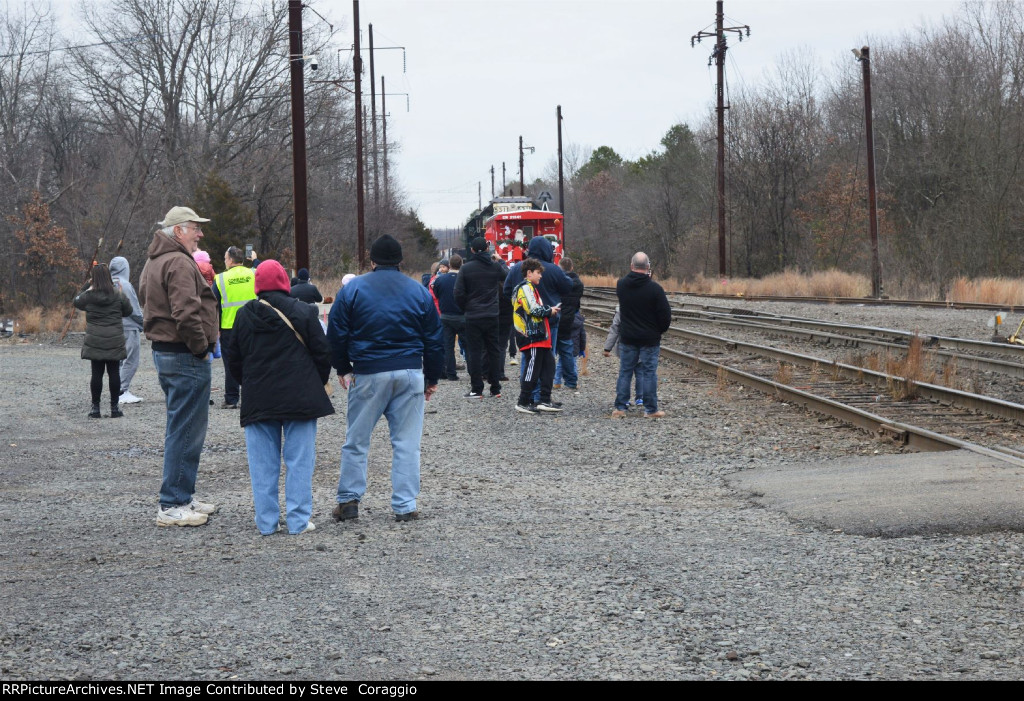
(180, 215)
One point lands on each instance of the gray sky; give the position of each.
(480, 73)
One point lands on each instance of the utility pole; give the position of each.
(298, 133)
(503, 178)
(479, 195)
(492, 182)
(561, 181)
(876, 267)
(384, 137)
(357, 66)
(522, 177)
(718, 55)
(373, 121)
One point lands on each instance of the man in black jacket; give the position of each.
(565, 370)
(305, 290)
(476, 293)
(644, 317)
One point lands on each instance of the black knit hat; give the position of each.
(386, 251)
(303, 274)
(479, 244)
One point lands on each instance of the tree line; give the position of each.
(949, 140)
(165, 102)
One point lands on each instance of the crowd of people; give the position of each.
(390, 339)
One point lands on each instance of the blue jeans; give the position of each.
(398, 396)
(566, 367)
(185, 381)
(263, 444)
(642, 360)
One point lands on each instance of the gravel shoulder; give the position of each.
(565, 547)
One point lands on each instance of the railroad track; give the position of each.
(922, 416)
(941, 351)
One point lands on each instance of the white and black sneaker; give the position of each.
(473, 395)
(549, 406)
(527, 408)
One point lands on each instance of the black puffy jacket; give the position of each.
(281, 379)
(477, 286)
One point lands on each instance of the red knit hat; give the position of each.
(271, 276)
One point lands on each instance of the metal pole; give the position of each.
(503, 178)
(298, 133)
(373, 122)
(357, 65)
(876, 267)
(479, 195)
(720, 64)
(522, 187)
(492, 182)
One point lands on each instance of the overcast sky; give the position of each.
(480, 73)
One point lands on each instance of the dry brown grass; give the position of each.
(784, 374)
(723, 379)
(827, 283)
(912, 370)
(987, 290)
(34, 320)
(669, 284)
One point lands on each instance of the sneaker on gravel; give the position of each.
(347, 511)
(659, 414)
(202, 507)
(310, 526)
(472, 395)
(618, 414)
(179, 516)
(495, 395)
(514, 361)
(411, 516)
(639, 401)
(229, 405)
(549, 406)
(526, 408)
(129, 398)
(94, 413)
(557, 386)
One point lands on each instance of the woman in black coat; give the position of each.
(104, 336)
(282, 370)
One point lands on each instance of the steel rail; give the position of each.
(912, 436)
(948, 342)
(1006, 367)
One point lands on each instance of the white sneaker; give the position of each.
(201, 507)
(179, 516)
(310, 526)
(129, 398)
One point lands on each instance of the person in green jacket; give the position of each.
(104, 346)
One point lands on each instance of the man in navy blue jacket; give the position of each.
(385, 341)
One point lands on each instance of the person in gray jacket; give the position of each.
(120, 271)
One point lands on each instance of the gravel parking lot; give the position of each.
(551, 547)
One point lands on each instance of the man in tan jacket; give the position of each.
(180, 315)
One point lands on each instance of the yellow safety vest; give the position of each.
(237, 286)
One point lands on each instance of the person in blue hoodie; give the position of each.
(385, 338)
(132, 324)
(554, 284)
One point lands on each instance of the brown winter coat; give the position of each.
(177, 304)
